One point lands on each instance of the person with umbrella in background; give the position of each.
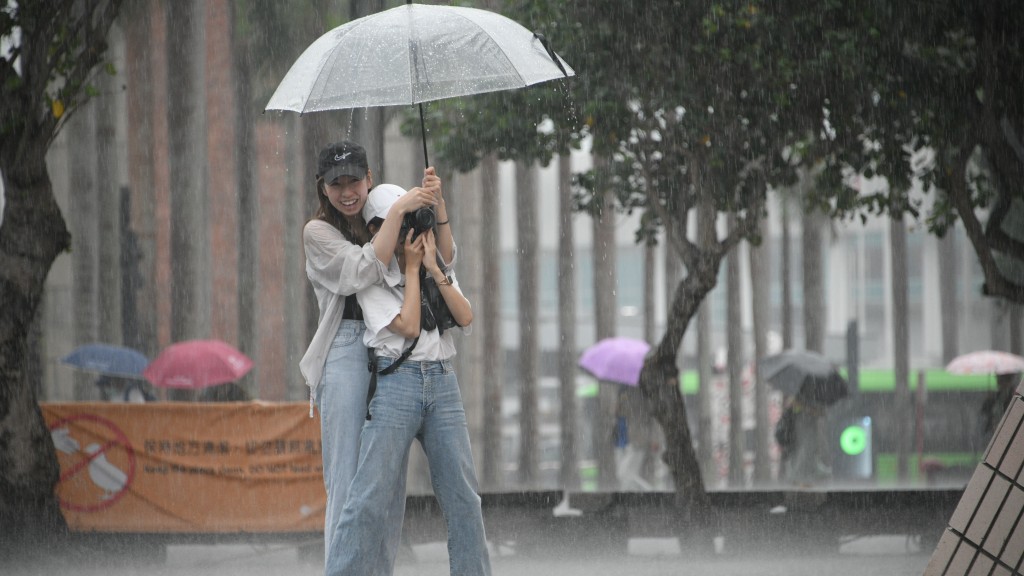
(121, 389)
(119, 370)
(800, 435)
(341, 260)
(997, 401)
(1007, 369)
(811, 383)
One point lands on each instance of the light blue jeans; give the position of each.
(341, 399)
(420, 400)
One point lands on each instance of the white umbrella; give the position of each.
(416, 53)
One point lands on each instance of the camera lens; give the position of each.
(424, 219)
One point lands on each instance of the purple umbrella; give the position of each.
(615, 360)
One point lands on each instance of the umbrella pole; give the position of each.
(423, 132)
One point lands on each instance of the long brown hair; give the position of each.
(328, 213)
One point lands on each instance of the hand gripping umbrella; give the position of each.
(416, 53)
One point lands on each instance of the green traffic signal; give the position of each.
(853, 440)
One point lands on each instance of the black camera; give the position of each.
(419, 221)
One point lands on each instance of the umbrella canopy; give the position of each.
(806, 374)
(108, 359)
(615, 360)
(412, 54)
(195, 364)
(415, 53)
(986, 362)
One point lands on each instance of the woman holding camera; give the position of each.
(417, 398)
(341, 260)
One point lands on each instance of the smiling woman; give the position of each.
(341, 260)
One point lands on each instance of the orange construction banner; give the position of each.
(182, 467)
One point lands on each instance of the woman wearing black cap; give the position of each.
(340, 261)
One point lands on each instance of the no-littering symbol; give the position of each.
(97, 462)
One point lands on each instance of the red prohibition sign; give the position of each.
(120, 440)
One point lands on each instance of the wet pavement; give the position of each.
(889, 555)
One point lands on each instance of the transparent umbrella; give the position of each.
(416, 53)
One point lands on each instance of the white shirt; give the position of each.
(382, 302)
(336, 268)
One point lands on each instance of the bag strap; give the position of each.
(402, 358)
(372, 366)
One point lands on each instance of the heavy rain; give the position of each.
(728, 287)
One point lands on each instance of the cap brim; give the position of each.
(336, 172)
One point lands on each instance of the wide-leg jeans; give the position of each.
(420, 400)
(341, 400)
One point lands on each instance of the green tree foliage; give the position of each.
(702, 105)
(932, 91)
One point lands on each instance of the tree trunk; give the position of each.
(569, 478)
(948, 289)
(139, 100)
(663, 399)
(1016, 338)
(249, 217)
(901, 341)
(705, 436)
(527, 242)
(759, 282)
(32, 235)
(662, 396)
(605, 315)
(786, 275)
(108, 192)
(189, 230)
(814, 307)
(673, 268)
(490, 311)
(84, 205)
(463, 196)
(735, 355)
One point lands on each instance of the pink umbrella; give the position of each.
(986, 362)
(616, 360)
(195, 364)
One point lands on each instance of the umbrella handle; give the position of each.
(423, 132)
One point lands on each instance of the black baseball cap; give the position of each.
(341, 159)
